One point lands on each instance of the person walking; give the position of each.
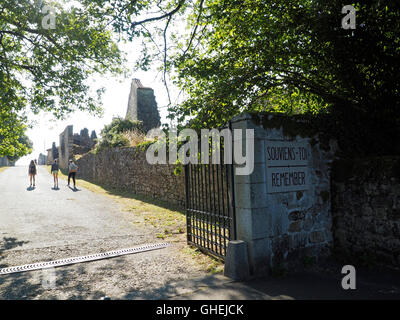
(54, 170)
(32, 171)
(72, 170)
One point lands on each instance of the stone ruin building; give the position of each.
(42, 159)
(71, 145)
(142, 106)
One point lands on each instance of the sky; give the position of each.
(46, 129)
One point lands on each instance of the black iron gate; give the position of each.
(210, 206)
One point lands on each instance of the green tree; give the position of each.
(294, 56)
(290, 56)
(47, 69)
(25, 145)
(112, 135)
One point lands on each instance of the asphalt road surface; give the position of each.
(43, 224)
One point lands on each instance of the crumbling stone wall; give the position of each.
(366, 210)
(127, 168)
(73, 144)
(4, 162)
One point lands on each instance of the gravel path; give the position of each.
(45, 224)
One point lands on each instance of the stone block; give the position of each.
(237, 261)
(295, 226)
(296, 215)
(250, 195)
(316, 237)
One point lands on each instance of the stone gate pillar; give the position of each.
(283, 208)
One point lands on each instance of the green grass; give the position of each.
(168, 221)
(3, 169)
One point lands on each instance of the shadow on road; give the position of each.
(33, 284)
(74, 189)
(8, 244)
(13, 286)
(30, 188)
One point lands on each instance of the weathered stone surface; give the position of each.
(296, 215)
(4, 162)
(237, 261)
(317, 236)
(365, 210)
(127, 168)
(70, 145)
(295, 226)
(286, 216)
(142, 106)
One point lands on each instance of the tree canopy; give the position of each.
(226, 57)
(45, 69)
(295, 57)
(289, 56)
(113, 134)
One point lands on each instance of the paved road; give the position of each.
(45, 224)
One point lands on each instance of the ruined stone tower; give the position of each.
(142, 106)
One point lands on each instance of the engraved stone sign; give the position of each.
(287, 166)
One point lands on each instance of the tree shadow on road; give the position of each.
(8, 244)
(13, 286)
(178, 288)
(33, 285)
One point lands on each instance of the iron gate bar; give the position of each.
(213, 238)
(210, 205)
(219, 207)
(188, 222)
(232, 192)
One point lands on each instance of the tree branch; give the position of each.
(168, 14)
(195, 28)
(165, 59)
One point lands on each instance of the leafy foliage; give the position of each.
(115, 134)
(286, 56)
(293, 56)
(24, 144)
(47, 69)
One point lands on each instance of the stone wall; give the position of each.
(366, 210)
(127, 168)
(4, 162)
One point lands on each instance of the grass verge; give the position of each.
(168, 222)
(3, 169)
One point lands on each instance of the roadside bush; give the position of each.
(119, 133)
(135, 137)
